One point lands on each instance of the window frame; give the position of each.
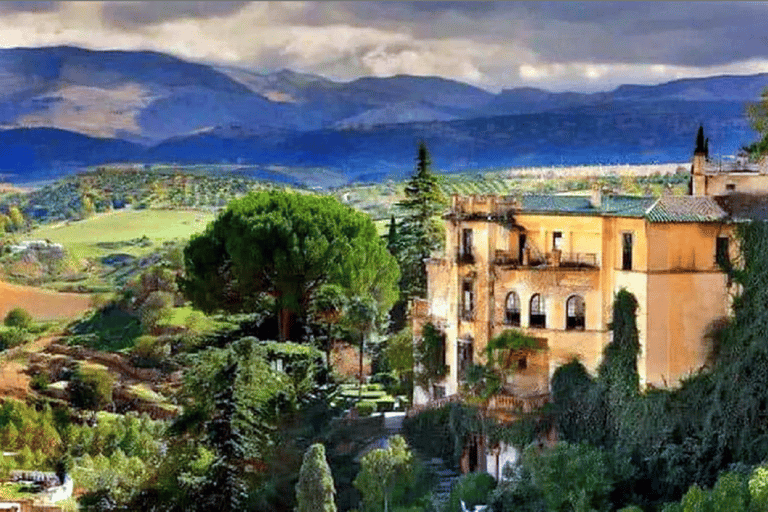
(538, 319)
(575, 322)
(512, 316)
(627, 256)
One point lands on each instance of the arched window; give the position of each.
(575, 312)
(538, 317)
(512, 310)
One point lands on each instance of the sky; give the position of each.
(578, 46)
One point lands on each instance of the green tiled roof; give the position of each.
(664, 209)
(686, 209)
(612, 206)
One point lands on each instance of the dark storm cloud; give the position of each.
(674, 33)
(6, 7)
(150, 13)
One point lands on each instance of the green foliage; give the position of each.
(91, 387)
(510, 340)
(443, 432)
(579, 404)
(429, 355)
(109, 328)
(570, 476)
(473, 489)
(18, 317)
(315, 490)
(287, 245)
(420, 231)
(13, 337)
(758, 488)
(365, 407)
(381, 470)
(757, 113)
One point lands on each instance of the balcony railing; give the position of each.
(467, 314)
(505, 404)
(506, 258)
(578, 259)
(512, 318)
(465, 257)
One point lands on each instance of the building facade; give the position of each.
(550, 266)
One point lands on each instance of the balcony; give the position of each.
(506, 258)
(465, 257)
(467, 314)
(579, 260)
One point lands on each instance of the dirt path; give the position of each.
(13, 381)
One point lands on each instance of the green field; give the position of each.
(81, 238)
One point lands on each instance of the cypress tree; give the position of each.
(315, 490)
(700, 140)
(420, 231)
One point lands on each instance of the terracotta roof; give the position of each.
(686, 209)
(743, 206)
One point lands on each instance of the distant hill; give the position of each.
(63, 107)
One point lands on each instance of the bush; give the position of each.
(473, 489)
(12, 337)
(385, 404)
(365, 408)
(150, 351)
(40, 381)
(18, 317)
(91, 387)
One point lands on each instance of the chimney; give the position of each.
(596, 198)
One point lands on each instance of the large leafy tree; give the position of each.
(421, 231)
(286, 245)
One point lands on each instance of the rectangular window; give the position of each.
(464, 356)
(521, 247)
(466, 242)
(730, 186)
(557, 240)
(467, 301)
(626, 251)
(721, 251)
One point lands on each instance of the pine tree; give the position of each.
(420, 230)
(393, 240)
(315, 490)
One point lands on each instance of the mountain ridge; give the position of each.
(164, 107)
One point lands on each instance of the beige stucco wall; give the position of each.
(679, 290)
(717, 184)
(682, 308)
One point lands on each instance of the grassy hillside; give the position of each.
(107, 233)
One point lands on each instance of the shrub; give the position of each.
(18, 317)
(40, 381)
(150, 348)
(91, 387)
(385, 404)
(12, 337)
(365, 408)
(473, 489)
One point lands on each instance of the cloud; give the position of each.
(31, 6)
(150, 13)
(568, 45)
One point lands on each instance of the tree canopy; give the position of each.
(286, 245)
(757, 113)
(420, 230)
